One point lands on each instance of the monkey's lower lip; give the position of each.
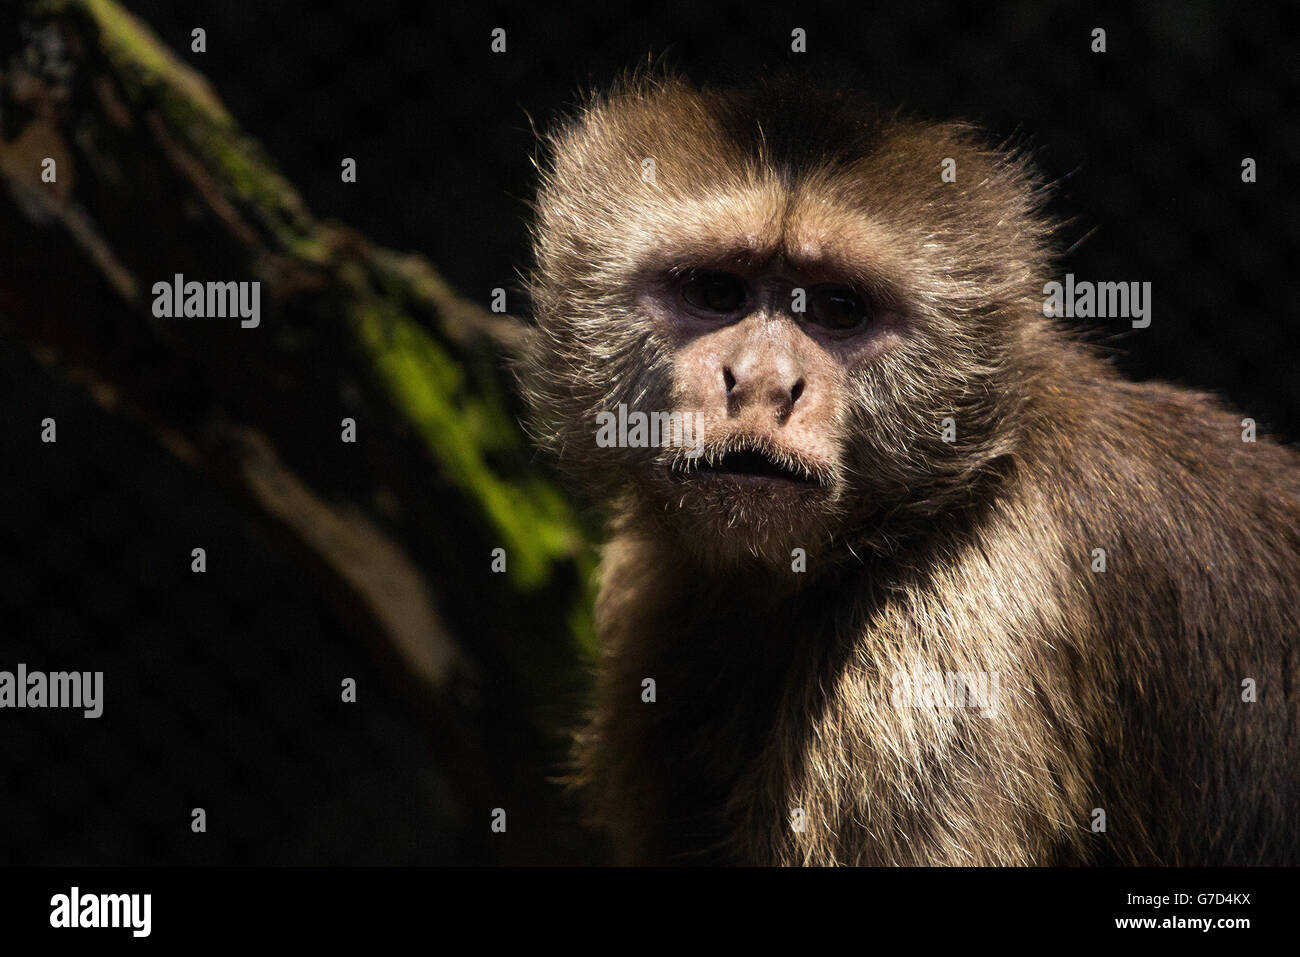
(749, 467)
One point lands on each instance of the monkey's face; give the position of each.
(771, 325)
(761, 366)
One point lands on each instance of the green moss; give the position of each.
(582, 620)
(126, 39)
(148, 69)
(461, 422)
(534, 522)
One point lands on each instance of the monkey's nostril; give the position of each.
(728, 379)
(796, 392)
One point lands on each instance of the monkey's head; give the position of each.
(773, 317)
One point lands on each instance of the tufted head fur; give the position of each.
(658, 178)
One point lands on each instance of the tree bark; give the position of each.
(120, 168)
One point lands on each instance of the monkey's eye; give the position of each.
(837, 308)
(714, 291)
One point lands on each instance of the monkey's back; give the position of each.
(1196, 611)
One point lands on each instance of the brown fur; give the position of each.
(1119, 690)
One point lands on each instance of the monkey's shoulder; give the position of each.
(1169, 451)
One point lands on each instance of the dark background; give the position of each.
(221, 695)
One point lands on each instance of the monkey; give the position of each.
(907, 477)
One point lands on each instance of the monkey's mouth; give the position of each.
(752, 466)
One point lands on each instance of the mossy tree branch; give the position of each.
(154, 178)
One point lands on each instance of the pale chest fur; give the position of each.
(781, 731)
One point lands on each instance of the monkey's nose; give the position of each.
(762, 388)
